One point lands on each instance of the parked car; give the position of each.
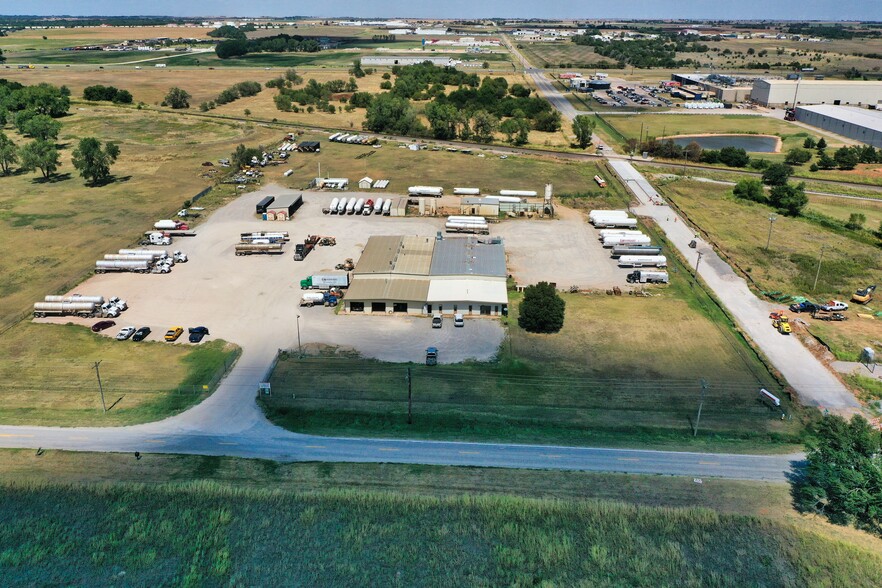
(141, 334)
(197, 334)
(173, 333)
(458, 321)
(834, 306)
(436, 321)
(125, 333)
(803, 307)
(101, 325)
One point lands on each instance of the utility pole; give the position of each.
(697, 262)
(700, 406)
(299, 345)
(818, 273)
(409, 399)
(772, 219)
(100, 386)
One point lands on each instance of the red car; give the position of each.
(101, 325)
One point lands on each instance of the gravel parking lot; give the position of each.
(254, 300)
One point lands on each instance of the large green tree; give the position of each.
(788, 198)
(843, 476)
(93, 161)
(750, 190)
(42, 126)
(39, 155)
(443, 120)
(484, 125)
(583, 128)
(177, 98)
(8, 153)
(242, 156)
(846, 158)
(542, 309)
(777, 174)
(392, 114)
(797, 156)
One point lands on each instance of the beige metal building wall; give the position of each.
(782, 92)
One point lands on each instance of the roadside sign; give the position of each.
(264, 387)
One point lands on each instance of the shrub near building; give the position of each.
(542, 310)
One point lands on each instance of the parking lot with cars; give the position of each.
(254, 300)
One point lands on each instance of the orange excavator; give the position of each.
(864, 295)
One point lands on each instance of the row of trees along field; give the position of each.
(34, 111)
(275, 44)
(473, 109)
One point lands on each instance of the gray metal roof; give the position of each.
(871, 119)
(466, 256)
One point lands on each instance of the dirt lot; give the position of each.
(253, 300)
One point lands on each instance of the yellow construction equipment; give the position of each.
(864, 295)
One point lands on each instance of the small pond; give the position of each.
(750, 143)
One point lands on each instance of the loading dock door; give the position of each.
(485, 309)
(356, 306)
(378, 307)
(399, 307)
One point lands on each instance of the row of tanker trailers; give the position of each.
(629, 246)
(360, 206)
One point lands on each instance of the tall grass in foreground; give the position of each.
(207, 535)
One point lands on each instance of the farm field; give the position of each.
(597, 394)
(206, 535)
(47, 376)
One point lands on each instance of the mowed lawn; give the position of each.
(204, 536)
(623, 371)
(48, 377)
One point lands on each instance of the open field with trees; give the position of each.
(739, 229)
(210, 535)
(599, 392)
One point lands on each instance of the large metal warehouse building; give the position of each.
(782, 92)
(859, 124)
(425, 275)
(390, 60)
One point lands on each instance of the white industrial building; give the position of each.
(838, 92)
(391, 60)
(859, 124)
(427, 275)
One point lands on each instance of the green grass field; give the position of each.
(47, 376)
(205, 535)
(740, 230)
(596, 382)
(564, 54)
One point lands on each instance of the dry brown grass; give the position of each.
(104, 34)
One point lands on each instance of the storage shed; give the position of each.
(479, 206)
(365, 183)
(283, 208)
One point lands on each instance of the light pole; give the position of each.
(299, 345)
(697, 261)
(772, 219)
(818, 273)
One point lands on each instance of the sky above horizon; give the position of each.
(585, 9)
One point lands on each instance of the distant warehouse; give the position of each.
(425, 275)
(836, 92)
(390, 60)
(855, 123)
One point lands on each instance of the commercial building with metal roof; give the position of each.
(836, 92)
(860, 124)
(427, 275)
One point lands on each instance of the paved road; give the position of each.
(814, 383)
(230, 422)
